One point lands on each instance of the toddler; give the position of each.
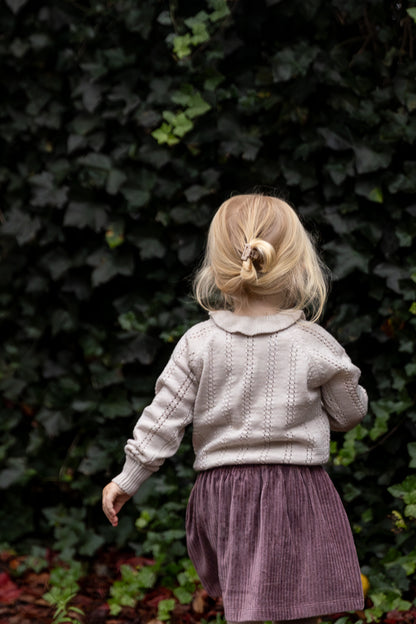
(262, 387)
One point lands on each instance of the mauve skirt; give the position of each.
(274, 541)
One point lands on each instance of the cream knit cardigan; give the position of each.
(257, 390)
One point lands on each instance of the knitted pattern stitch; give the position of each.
(256, 389)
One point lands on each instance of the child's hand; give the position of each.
(113, 500)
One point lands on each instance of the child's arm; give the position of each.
(331, 370)
(158, 432)
(343, 399)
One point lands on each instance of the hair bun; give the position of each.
(258, 256)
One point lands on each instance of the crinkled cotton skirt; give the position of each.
(274, 541)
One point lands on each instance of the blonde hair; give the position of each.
(257, 247)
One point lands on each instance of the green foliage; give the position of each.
(412, 13)
(70, 534)
(125, 126)
(180, 123)
(407, 492)
(129, 589)
(200, 27)
(35, 561)
(63, 589)
(179, 576)
(164, 609)
(218, 620)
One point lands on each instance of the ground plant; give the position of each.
(123, 126)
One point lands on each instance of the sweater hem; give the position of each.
(317, 461)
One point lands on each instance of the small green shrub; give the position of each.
(127, 591)
(64, 587)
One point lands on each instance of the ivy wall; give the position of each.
(123, 126)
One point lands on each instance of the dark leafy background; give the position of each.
(123, 126)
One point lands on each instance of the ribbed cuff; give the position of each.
(132, 476)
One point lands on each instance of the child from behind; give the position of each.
(262, 387)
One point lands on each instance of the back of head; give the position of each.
(257, 247)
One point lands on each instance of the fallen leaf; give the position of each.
(15, 562)
(199, 602)
(153, 598)
(9, 591)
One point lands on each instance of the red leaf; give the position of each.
(133, 562)
(9, 591)
(153, 597)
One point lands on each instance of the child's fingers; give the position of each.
(108, 508)
(113, 499)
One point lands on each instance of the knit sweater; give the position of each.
(257, 390)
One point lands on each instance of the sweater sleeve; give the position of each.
(160, 429)
(343, 399)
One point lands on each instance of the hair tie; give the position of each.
(249, 253)
(246, 252)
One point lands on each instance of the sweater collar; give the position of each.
(253, 325)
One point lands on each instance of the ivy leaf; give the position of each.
(164, 134)
(114, 236)
(91, 543)
(84, 124)
(91, 95)
(197, 24)
(55, 422)
(411, 447)
(368, 160)
(392, 274)
(149, 247)
(197, 106)
(16, 5)
(103, 377)
(182, 125)
(115, 180)
(195, 192)
(369, 190)
(410, 510)
(108, 266)
(136, 197)
(22, 226)
(95, 161)
(165, 18)
(412, 13)
(45, 192)
(62, 321)
(347, 259)
(182, 45)
(333, 140)
(82, 215)
(96, 459)
(115, 407)
(56, 262)
(405, 490)
(292, 62)
(183, 594)
(142, 349)
(376, 195)
(192, 101)
(183, 95)
(16, 469)
(220, 10)
(382, 413)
